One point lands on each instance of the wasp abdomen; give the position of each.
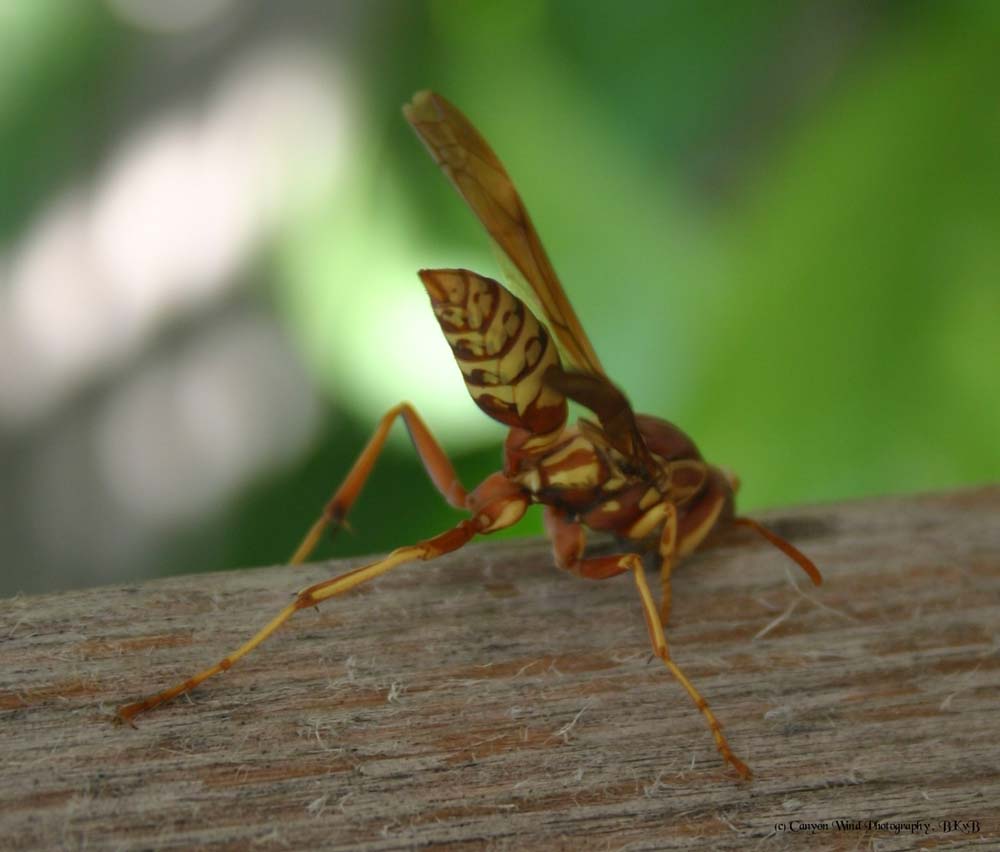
(501, 349)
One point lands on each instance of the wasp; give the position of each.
(524, 356)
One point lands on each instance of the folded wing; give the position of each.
(479, 176)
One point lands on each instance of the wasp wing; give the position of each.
(480, 178)
(617, 419)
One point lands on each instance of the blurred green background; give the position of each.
(777, 221)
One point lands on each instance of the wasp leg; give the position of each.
(682, 536)
(568, 537)
(659, 642)
(668, 557)
(439, 468)
(502, 506)
(792, 552)
(703, 514)
(567, 542)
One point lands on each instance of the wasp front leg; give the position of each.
(668, 556)
(683, 535)
(438, 466)
(659, 642)
(568, 540)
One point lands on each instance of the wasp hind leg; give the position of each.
(438, 466)
(499, 504)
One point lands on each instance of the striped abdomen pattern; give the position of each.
(501, 348)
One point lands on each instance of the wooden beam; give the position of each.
(487, 700)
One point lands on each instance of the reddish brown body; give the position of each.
(514, 373)
(523, 356)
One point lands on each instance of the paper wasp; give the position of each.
(523, 356)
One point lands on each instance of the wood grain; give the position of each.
(488, 701)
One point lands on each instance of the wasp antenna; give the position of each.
(792, 552)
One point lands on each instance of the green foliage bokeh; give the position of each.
(778, 223)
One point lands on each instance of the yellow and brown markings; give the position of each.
(587, 480)
(703, 514)
(648, 522)
(523, 449)
(593, 482)
(500, 347)
(687, 479)
(574, 464)
(620, 511)
(569, 474)
(650, 498)
(613, 483)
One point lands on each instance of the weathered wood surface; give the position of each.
(488, 701)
